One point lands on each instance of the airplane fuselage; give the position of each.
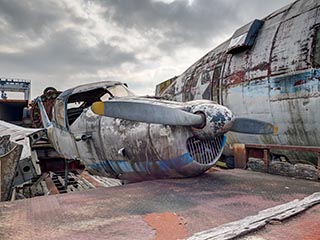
(277, 79)
(136, 151)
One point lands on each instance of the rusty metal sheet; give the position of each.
(240, 155)
(9, 158)
(119, 213)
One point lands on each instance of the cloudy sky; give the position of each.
(142, 42)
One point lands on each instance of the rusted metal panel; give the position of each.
(203, 203)
(266, 159)
(48, 99)
(9, 158)
(52, 188)
(12, 110)
(240, 155)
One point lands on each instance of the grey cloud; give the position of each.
(179, 22)
(64, 51)
(182, 23)
(30, 16)
(24, 22)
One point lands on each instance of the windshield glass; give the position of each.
(117, 91)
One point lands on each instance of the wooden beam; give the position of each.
(251, 223)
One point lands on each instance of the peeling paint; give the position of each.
(277, 80)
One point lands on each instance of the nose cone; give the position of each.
(225, 118)
(219, 120)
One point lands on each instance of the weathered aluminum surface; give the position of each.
(135, 151)
(276, 81)
(18, 135)
(202, 203)
(87, 87)
(132, 150)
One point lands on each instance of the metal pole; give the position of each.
(66, 173)
(266, 154)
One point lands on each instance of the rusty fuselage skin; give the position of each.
(276, 80)
(136, 151)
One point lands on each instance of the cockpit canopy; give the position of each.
(70, 104)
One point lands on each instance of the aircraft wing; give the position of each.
(16, 132)
(18, 135)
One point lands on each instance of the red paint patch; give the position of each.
(237, 77)
(168, 225)
(299, 82)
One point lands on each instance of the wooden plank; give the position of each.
(90, 179)
(251, 223)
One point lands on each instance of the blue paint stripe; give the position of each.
(124, 166)
(301, 84)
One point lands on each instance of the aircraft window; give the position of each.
(317, 49)
(79, 101)
(74, 110)
(59, 112)
(74, 105)
(117, 91)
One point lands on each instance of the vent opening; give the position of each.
(205, 151)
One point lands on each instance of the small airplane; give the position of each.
(117, 134)
(268, 70)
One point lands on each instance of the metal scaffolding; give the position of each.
(15, 85)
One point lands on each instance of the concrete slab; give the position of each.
(143, 210)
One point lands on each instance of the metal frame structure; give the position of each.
(243, 151)
(15, 85)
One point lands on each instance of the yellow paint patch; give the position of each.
(275, 129)
(98, 108)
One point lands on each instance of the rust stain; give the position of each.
(299, 82)
(213, 169)
(237, 77)
(313, 230)
(261, 66)
(168, 225)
